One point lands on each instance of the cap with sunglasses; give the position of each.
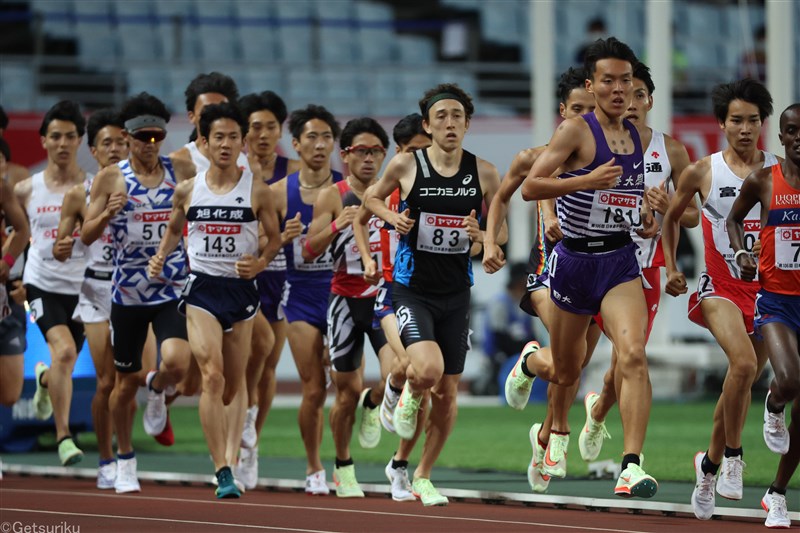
(148, 136)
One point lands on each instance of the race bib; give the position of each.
(322, 262)
(614, 211)
(752, 229)
(145, 228)
(787, 248)
(216, 240)
(353, 257)
(442, 234)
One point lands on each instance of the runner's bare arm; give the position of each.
(73, 209)
(751, 193)
(106, 199)
(181, 199)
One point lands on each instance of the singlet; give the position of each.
(137, 231)
(348, 270)
(600, 213)
(222, 227)
(99, 254)
(724, 189)
(278, 263)
(201, 162)
(41, 268)
(657, 168)
(389, 240)
(320, 269)
(433, 258)
(779, 262)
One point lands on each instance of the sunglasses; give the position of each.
(148, 136)
(364, 151)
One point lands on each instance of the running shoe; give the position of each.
(249, 436)
(401, 486)
(247, 467)
(423, 489)
(316, 485)
(155, 414)
(226, 488)
(388, 405)
(236, 481)
(777, 513)
(703, 493)
(405, 415)
(42, 406)
(106, 475)
(633, 481)
(346, 484)
(555, 456)
(126, 480)
(775, 433)
(729, 480)
(518, 385)
(68, 452)
(590, 440)
(166, 437)
(369, 430)
(538, 480)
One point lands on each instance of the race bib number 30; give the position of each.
(320, 263)
(442, 234)
(615, 211)
(787, 248)
(145, 228)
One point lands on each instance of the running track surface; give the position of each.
(193, 508)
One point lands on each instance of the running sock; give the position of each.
(525, 366)
(708, 467)
(772, 409)
(104, 462)
(627, 459)
(40, 380)
(395, 389)
(221, 470)
(62, 439)
(399, 464)
(776, 490)
(343, 462)
(542, 443)
(126, 456)
(734, 452)
(554, 432)
(368, 403)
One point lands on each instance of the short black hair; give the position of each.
(299, 117)
(793, 107)
(266, 100)
(143, 104)
(409, 127)
(450, 88)
(748, 90)
(67, 110)
(611, 48)
(5, 149)
(572, 78)
(642, 72)
(99, 120)
(361, 125)
(213, 112)
(215, 82)
(3, 118)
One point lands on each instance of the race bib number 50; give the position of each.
(145, 228)
(442, 234)
(787, 248)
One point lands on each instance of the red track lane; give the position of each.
(73, 502)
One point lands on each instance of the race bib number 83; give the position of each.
(442, 234)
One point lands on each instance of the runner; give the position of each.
(14, 172)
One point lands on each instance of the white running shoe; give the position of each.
(590, 441)
(42, 405)
(401, 486)
(155, 414)
(777, 514)
(703, 494)
(369, 429)
(538, 480)
(390, 399)
(107, 475)
(775, 433)
(126, 480)
(729, 480)
(555, 457)
(518, 385)
(316, 484)
(247, 468)
(249, 436)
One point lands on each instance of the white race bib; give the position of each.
(442, 234)
(752, 229)
(615, 211)
(322, 262)
(145, 228)
(787, 248)
(353, 257)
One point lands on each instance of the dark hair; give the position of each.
(361, 125)
(748, 89)
(268, 100)
(5, 149)
(572, 78)
(611, 48)
(143, 104)
(214, 82)
(450, 88)
(596, 24)
(99, 120)
(642, 72)
(215, 112)
(66, 110)
(785, 113)
(299, 117)
(409, 127)
(3, 118)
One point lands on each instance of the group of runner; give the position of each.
(223, 250)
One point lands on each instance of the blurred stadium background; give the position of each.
(376, 58)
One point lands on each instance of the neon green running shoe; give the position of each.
(369, 429)
(42, 406)
(68, 452)
(346, 484)
(555, 457)
(633, 481)
(590, 441)
(405, 414)
(518, 385)
(424, 490)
